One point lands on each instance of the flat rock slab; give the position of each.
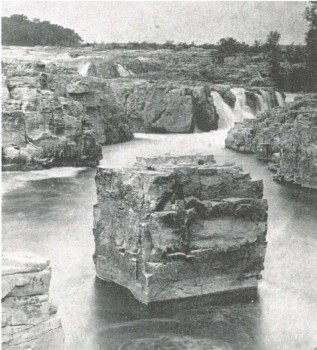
(29, 320)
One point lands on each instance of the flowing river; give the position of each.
(49, 213)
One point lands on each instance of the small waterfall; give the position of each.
(267, 99)
(262, 106)
(83, 70)
(241, 109)
(280, 99)
(123, 72)
(226, 114)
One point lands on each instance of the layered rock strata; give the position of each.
(54, 120)
(176, 227)
(29, 320)
(284, 137)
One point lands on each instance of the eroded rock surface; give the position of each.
(167, 107)
(175, 227)
(55, 119)
(284, 137)
(29, 320)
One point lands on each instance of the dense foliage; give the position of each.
(19, 30)
(311, 44)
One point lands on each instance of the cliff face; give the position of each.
(175, 227)
(58, 107)
(50, 120)
(29, 320)
(284, 137)
(167, 107)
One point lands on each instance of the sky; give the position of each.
(180, 21)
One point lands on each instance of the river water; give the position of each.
(50, 213)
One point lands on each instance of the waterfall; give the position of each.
(123, 72)
(280, 99)
(226, 114)
(241, 109)
(262, 106)
(267, 99)
(83, 70)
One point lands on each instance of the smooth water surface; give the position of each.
(50, 213)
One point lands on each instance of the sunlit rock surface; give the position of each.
(176, 227)
(286, 138)
(29, 320)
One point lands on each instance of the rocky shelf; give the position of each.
(29, 320)
(175, 227)
(286, 138)
(58, 111)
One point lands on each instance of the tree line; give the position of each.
(20, 31)
(291, 67)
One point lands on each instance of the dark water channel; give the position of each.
(50, 213)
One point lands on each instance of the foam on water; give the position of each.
(241, 109)
(15, 179)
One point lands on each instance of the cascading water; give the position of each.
(83, 70)
(241, 109)
(262, 106)
(280, 99)
(123, 72)
(226, 115)
(267, 99)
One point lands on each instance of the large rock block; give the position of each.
(29, 320)
(166, 107)
(45, 132)
(179, 227)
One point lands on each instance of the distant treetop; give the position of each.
(19, 30)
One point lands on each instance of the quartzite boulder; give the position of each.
(175, 227)
(29, 320)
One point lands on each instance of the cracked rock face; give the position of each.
(55, 119)
(167, 107)
(29, 320)
(286, 138)
(176, 227)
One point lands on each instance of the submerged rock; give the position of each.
(174, 227)
(286, 138)
(29, 320)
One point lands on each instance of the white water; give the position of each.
(280, 99)
(241, 109)
(124, 72)
(227, 117)
(83, 70)
(267, 99)
(262, 106)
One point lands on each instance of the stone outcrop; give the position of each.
(176, 227)
(54, 120)
(284, 137)
(29, 320)
(167, 107)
